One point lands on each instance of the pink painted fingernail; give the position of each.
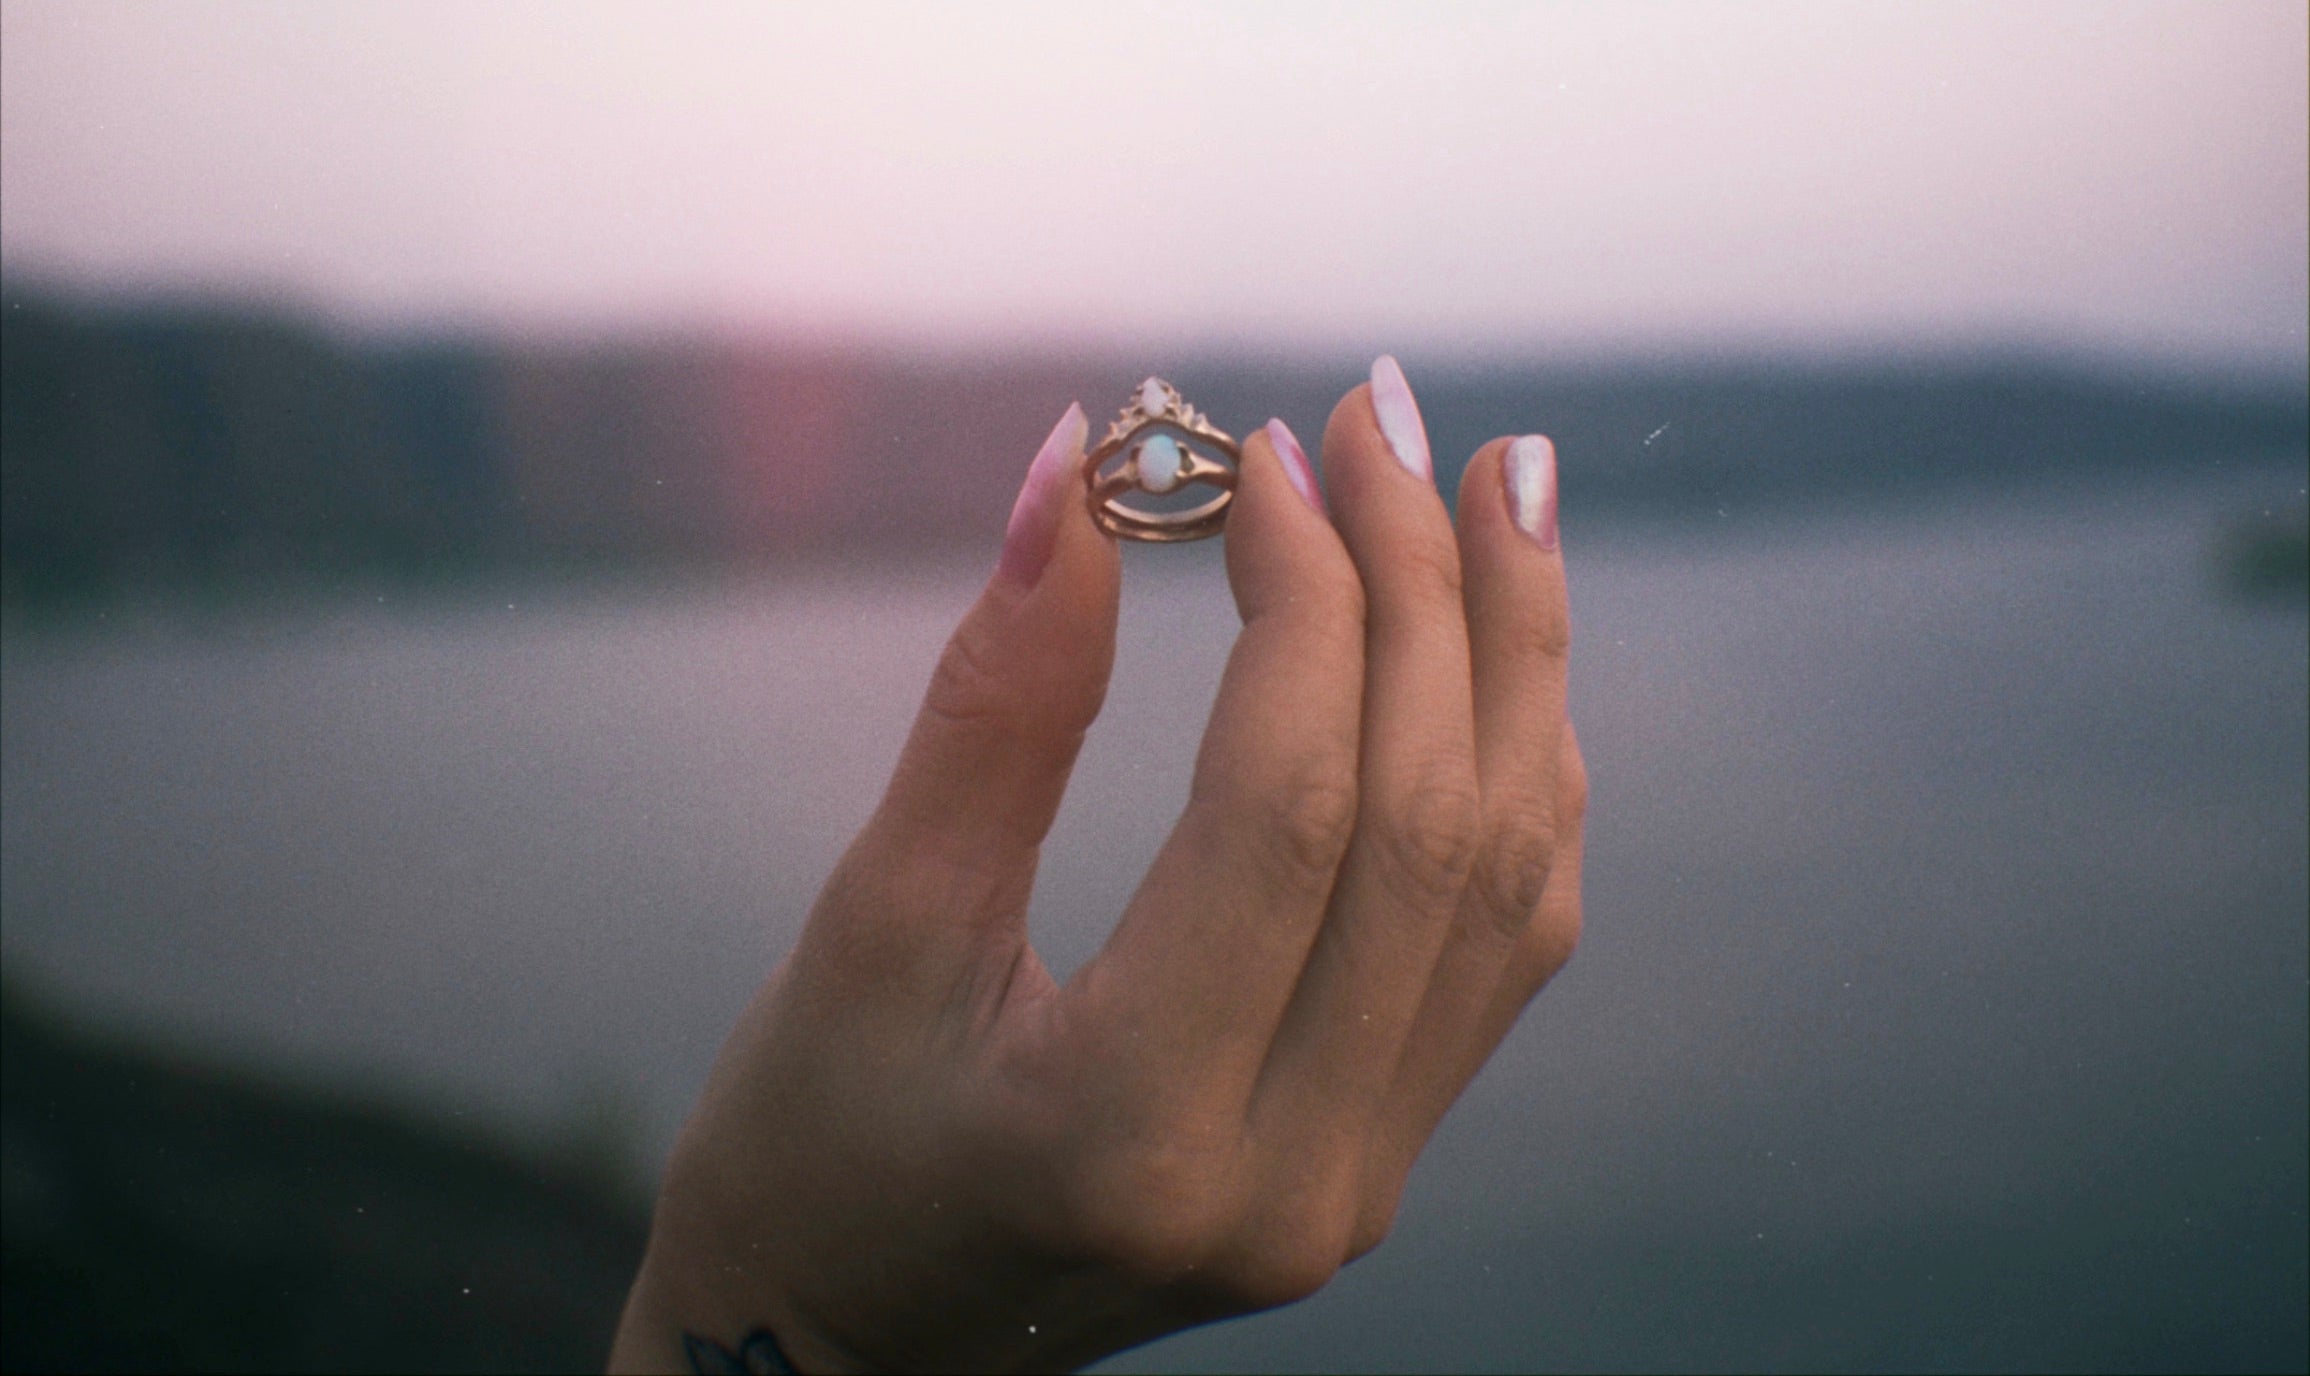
(1295, 465)
(1399, 417)
(1051, 478)
(1531, 475)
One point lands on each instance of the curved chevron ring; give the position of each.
(1160, 436)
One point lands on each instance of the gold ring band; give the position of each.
(1160, 436)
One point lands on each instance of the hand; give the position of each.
(918, 1151)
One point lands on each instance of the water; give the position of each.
(1944, 999)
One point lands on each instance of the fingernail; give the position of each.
(1034, 524)
(1295, 465)
(1400, 417)
(1531, 475)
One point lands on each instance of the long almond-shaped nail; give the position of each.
(1051, 481)
(1399, 417)
(1531, 477)
(1295, 464)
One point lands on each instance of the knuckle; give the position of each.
(1431, 839)
(1430, 572)
(1544, 949)
(1275, 1266)
(1305, 826)
(968, 687)
(1287, 1252)
(1572, 790)
(1549, 634)
(1373, 1225)
(1287, 1240)
(1512, 871)
(1550, 942)
(1385, 1176)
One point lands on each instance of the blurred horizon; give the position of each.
(216, 444)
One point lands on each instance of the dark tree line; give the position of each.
(189, 446)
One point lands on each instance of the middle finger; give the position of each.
(1336, 1049)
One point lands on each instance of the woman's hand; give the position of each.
(919, 1151)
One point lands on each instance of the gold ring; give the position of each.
(1156, 435)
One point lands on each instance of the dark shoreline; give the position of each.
(164, 1213)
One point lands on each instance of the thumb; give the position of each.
(1018, 685)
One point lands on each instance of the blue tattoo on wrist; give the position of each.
(757, 1354)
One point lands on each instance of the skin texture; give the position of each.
(918, 1152)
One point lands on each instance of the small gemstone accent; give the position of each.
(1154, 397)
(1160, 463)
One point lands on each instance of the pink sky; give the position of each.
(2119, 179)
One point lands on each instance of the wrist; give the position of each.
(689, 1312)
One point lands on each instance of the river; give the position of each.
(1944, 999)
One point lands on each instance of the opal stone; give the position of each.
(1152, 397)
(1160, 462)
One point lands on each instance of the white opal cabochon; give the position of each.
(1161, 463)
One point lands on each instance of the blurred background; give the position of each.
(481, 488)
